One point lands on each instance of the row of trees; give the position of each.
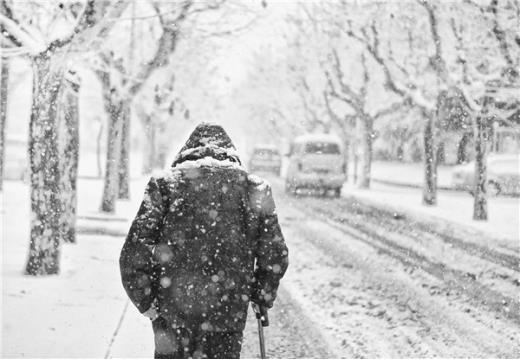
(414, 65)
(59, 39)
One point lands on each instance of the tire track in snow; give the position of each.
(290, 335)
(338, 213)
(453, 278)
(447, 322)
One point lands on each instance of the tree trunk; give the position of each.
(161, 147)
(150, 146)
(366, 143)
(462, 153)
(346, 157)
(4, 83)
(480, 211)
(355, 150)
(46, 209)
(98, 150)
(430, 164)
(440, 155)
(124, 169)
(356, 161)
(160, 159)
(114, 129)
(69, 118)
(399, 153)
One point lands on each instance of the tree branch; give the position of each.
(391, 84)
(355, 99)
(20, 35)
(5, 9)
(83, 21)
(334, 93)
(395, 107)
(166, 46)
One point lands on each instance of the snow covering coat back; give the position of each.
(206, 239)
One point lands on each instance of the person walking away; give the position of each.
(205, 242)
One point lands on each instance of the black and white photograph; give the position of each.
(252, 179)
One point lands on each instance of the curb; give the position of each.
(413, 185)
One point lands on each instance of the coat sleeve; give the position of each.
(136, 262)
(272, 255)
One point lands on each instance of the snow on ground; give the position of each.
(455, 207)
(339, 296)
(396, 295)
(84, 312)
(408, 173)
(70, 315)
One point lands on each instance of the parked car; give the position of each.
(316, 161)
(16, 165)
(503, 175)
(265, 158)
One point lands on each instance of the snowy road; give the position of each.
(360, 284)
(378, 287)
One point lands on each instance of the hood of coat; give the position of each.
(207, 140)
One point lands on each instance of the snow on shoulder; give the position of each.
(260, 183)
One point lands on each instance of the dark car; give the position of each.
(265, 158)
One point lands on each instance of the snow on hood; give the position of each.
(207, 144)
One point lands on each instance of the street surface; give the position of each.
(376, 287)
(361, 284)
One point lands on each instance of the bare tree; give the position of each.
(49, 58)
(120, 87)
(357, 100)
(498, 84)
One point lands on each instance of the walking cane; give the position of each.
(263, 321)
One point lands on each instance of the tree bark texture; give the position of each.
(114, 129)
(346, 157)
(124, 160)
(430, 164)
(161, 146)
(4, 83)
(366, 143)
(462, 152)
(150, 146)
(46, 208)
(98, 150)
(440, 156)
(69, 123)
(480, 210)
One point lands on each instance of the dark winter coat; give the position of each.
(200, 228)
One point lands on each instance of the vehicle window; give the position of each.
(322, 148)
(265, 152)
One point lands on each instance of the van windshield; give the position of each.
(322, 148)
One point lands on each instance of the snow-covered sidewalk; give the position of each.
(452, 207)
(408, 174)
(84, 312)
(76, 313)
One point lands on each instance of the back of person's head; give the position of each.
(208, 134)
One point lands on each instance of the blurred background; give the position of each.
(411, 106)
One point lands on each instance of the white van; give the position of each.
(316, 161)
